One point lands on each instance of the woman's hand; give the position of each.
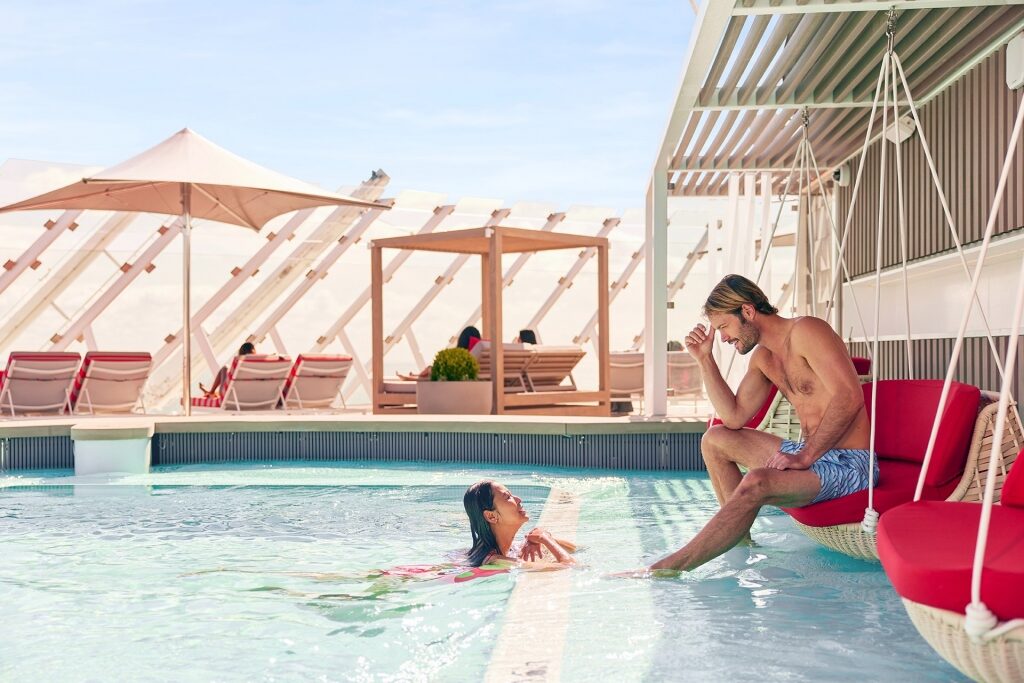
(532, 552)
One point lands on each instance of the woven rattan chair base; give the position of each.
(999, 659)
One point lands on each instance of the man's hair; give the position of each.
(732, 292)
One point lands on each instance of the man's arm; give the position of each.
(735, 410)
(830, 362)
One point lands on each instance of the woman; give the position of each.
(217, 390)
(466, 341)
(495, 517)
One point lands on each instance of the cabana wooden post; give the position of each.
(491, 243)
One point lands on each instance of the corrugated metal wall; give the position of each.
(968, 129)
(673, 451)
(931, 358)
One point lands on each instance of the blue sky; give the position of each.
(562, 101)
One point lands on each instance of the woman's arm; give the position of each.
(554, 546)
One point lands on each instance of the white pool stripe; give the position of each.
(532, 639)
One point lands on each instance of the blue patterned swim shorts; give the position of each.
(842, 471)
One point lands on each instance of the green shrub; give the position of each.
(454, 365)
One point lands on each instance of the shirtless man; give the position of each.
(809, 364)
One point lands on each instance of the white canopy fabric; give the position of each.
(225, 187)
(188, 175)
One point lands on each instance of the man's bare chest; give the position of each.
(792, 375)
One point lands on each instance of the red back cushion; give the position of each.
(861, 365)
(473, 341)
(903, 423)
(1013, 486)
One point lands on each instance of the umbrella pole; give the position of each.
(186, 343)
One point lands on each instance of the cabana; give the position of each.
(491, 243)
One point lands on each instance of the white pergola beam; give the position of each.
(30, 257)
(756, 7)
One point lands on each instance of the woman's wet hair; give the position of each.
(480, 497)
(466, 335)
(732, 292)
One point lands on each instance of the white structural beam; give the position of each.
(30, 257)
(565, 282)
(708, 29)
(440, 283)
(613, 291)
(166, 378)
(679, 281)
(66, 274)
(754, 7)
(316, 274)
(129, 271)
(513, 270)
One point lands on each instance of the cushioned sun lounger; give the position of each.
(517, 358)
(254, 382)
(37, 382)
(551, 366)
(315, 381)
(110, 382)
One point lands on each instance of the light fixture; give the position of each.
(900, 130)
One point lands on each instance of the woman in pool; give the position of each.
(495, 517)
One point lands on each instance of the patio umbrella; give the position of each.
(188, 175)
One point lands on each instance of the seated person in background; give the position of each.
(495, 517)
(526, 337)
(465, 342)
(222, 375)
(674, 345)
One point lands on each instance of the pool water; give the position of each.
(273, 572)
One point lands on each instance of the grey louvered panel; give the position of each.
(968, 128)
(602, 451)
(37, 453)
(931, 358)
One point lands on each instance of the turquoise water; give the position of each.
(270, 572)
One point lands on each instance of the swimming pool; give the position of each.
(267, 572)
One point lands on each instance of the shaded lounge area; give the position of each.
(491, 243)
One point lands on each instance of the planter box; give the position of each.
(453, 398)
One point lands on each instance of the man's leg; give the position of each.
(761, 486)
(723, 448)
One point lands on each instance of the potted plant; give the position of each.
(453, 388)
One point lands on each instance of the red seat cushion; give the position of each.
(755, 421)
(896, 483)
(903, 423)
(1013, 486)
(927, 550)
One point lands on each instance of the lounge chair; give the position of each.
(37, 382)
(110, 382)
(254, 382)
(626, 376)
(517, 358)
(551, 366)
(315, 381)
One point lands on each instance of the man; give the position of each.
(809, 364)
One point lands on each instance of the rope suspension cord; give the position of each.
(870, 522)
(811, 220)
(900, 205)
(898, 68)
(980, 623)
(982, 253)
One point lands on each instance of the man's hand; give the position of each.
(789, 461)
(699, 342)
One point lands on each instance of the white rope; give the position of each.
(979, 619)
(982, 253)
(902, 217)
(945, 209)
(798, 279)
(812, 224)
(866, 523)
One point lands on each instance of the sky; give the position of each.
(560, 101)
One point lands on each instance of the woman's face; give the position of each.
(508, 508)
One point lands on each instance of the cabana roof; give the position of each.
(754, 65)
(478, 241)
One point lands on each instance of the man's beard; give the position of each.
(747, 339)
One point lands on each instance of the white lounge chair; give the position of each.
(38, 382)
(254, 382)
(516, 359)
(110, 382)
(315, 381)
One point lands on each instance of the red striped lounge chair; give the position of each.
(254, 382)
(38, 382)
(315, 381)
(110, 382)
